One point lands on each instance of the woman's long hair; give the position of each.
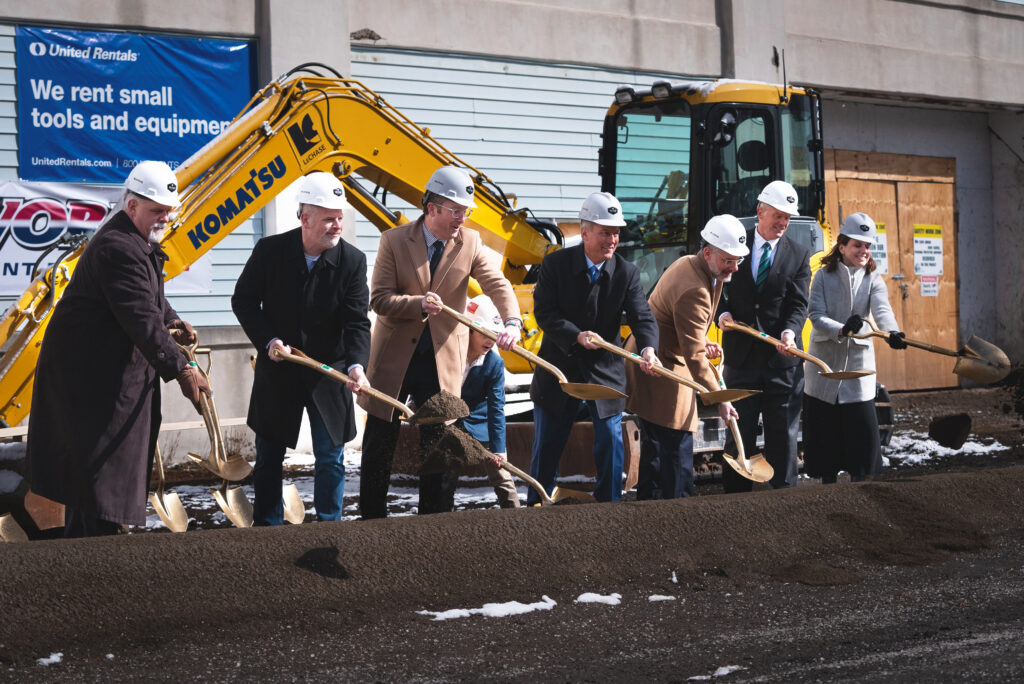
(831, 260)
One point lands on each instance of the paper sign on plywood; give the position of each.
(927, 249)
(880, 249)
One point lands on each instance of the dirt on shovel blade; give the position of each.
(443, 405)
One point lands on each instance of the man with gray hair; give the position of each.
(96, 404)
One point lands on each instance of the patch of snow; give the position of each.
(589, 597)
(492, 609)
(660, 597)
(52, 660)
(916, 447)
(675, 580)
(720, 672)
(110, 656)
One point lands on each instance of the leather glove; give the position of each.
(852, 325)
(896, 340)
(182, 332)
(193, 384)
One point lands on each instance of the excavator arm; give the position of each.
(304, 121)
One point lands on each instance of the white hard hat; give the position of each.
(452, 183)
(727, 234)
(321, 189)
(603, 209)
(859, 226)
(780, 195)
(155, 181)
(482, 310)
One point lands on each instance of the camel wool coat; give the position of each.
(401, 279)
(683, 303)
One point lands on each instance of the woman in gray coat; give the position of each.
(840, 426)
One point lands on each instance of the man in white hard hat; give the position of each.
(483, 390)
(415, 352)
(306, 287)
(582, 292)
(112, 336)
(771, 296)
(683, 303)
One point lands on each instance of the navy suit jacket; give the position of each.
(323, 312)
(565, 304)
(484, 393)
(780, 305)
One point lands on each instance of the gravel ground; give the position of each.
(917, 576)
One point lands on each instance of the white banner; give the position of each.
(34, 217)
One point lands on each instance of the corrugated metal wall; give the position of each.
(533, 128)
(228, 257)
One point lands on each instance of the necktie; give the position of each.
(435, 256)
(763, 265)
(595, 273)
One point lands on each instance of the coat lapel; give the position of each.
(448, 257)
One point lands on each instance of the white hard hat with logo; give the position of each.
(859, 226)
(155, 181)
(321, 189)
(482, 310)
(781, 195)
(727, 234)
(452, 183)
(603, 209)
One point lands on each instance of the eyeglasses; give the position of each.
(456, 213)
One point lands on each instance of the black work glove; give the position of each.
(193, 385)
(182, 332)
(852, 325)
(896, 340)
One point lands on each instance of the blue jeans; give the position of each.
(550, 434)
(328, 477)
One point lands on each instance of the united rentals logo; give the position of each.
(305, 136)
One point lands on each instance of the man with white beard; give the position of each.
(96, 403)
(306, 287)
(683, 303)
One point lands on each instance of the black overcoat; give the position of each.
(565, 303)
(96, 403)
(780, 305)
(323, 312)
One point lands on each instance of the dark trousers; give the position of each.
(79, 524)
(666, 462)
(841, 437)
(778, 406)
(437, 490)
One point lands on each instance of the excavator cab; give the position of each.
(676, 155)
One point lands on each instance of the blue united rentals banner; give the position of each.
(91, 105)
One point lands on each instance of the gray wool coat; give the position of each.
(831, 304)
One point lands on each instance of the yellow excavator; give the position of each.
(675, 155)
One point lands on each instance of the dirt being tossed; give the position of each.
(455, 449)
(950, 431)
(441, 407)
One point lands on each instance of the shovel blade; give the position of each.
(559, 494)
(588, 391)
(235, 504)
(232, 470)
(846, 375)
(294, 509)
(730, 395)
(982, 362)
(757, 468)
(10, 530)
(170, 510)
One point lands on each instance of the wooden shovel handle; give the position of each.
(300, 358)
(875, 332)
(765, 337)
(490, 334)
(528, 479)
(636, 358)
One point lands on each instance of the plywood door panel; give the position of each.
(931, 319)
(877, 199)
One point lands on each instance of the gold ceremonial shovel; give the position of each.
(825, 371)
(757, 468)
(579, 390)
(168, 506)
(706, 396)
(977, 360)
